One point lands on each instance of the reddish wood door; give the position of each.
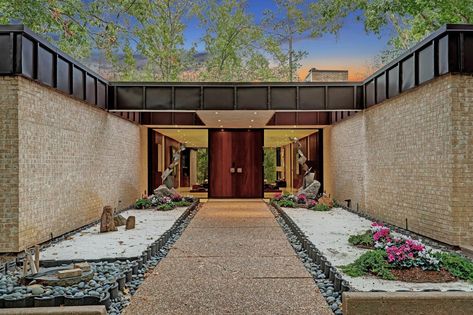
(236, 163)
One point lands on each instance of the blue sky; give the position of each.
(351, 49)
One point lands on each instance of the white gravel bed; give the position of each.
(329, 232)
(90, 244)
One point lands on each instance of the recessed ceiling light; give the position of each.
(249, 126)
(219, 120)
(255, 113)
(221, 126)
(216, 113)
(252, 120)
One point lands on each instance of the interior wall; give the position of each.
(408, 160)
(73, 159)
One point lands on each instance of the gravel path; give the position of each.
(329, 232)
(90, 244)
(233, 258)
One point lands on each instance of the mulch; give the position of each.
(418, 275)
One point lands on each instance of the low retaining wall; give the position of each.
(432, 303)
(67, 310)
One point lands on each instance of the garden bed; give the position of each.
(329, 232)
(90, 244)
(114, 279)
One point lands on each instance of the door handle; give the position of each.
(232, 170)
(239, 170)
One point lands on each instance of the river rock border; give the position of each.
(130, 275)
(327, 278)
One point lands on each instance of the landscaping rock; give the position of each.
(107, 223)
(36, 289)
(311, 190)
(130, 222)
(326, 200)
(119, 220)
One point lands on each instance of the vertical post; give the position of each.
(36, 257)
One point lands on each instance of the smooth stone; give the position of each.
(36, 289)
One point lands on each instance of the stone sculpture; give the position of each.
(310, 186)
(107, 223)
(167, 188)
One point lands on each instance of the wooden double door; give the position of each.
(236, 163)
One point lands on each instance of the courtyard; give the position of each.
(186, 157)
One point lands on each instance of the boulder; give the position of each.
(107, 223)
(310, 191)
(163, 191)
(326, 200)
(119, 220)
(130, 222)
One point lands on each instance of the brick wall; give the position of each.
(462, 154)
(8, 164)
(73, 159)
(327, 76)
(409, 160)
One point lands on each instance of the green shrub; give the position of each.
(374, 262)
(365, 239)
(166, 206)
(182, 203)
(142, 203)
(286, 203)
(321, 207)
(457, 265)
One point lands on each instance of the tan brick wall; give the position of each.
(8, 163)
(345, 160)
(328, 76)
(410, 158)
(462, 153)
(73, 160)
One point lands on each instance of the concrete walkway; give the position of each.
(233, 258)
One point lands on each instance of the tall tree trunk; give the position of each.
(291, 76)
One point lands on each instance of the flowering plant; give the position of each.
(156, 201)
(301, 199)
(402, 252)
(311, 203)
(176, 197)
(381, 235)
(277, 196)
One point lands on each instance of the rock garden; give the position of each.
(372, 256)
(102, 263)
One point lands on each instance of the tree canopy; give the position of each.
(408, 20)
(145, 39)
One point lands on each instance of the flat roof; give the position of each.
(447, 50)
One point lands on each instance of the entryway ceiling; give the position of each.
(235, 118)
(198, 138)
(193, 138)
(279, 137)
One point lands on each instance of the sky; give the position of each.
(352, 49)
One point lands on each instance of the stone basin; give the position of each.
(48, 276)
